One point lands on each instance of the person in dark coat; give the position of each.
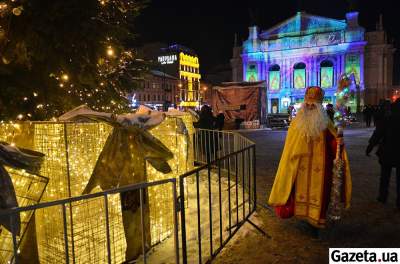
(206, 118)
(387, 137)
(367, 113)
(330, 111)
(220, 120)
(207, 139)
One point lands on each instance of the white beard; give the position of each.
(311, 122)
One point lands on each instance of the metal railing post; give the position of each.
(107, 228)
(64, 210)
(183, 221)
(143, 226)
(254, 178)
(220, 202)
(229, 196)
(14, 237)
(236, 188)
(176, 237)
(198, 213)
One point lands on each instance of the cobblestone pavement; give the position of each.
(366, 224)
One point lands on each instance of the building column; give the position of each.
(262, 72)
(342, 65)
(361, 88)
(309, 71)
(315, 71)
(244, 70)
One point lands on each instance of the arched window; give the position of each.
(299, 75)
(274, 77)
(252, 73)
(326, 74)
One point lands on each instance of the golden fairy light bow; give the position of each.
(121, 161)
(17, 158)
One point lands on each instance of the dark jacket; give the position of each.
(220, 120)
(387, 136)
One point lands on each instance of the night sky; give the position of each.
(208, 26)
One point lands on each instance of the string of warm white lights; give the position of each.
(112, 75)
(71, 152)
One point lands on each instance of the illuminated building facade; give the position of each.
(182, 62)
(156, 89)
(307, 50)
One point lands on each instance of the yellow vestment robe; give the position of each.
(302, 169)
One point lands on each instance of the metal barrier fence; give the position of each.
(225, 193)
(213, 144)
(215, 200)
(65, 203)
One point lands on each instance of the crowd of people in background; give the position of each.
(207, 120)
(374, 113)
(208, 137)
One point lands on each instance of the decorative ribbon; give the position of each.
(121, 161)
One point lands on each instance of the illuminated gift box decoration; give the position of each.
(72, 150)
(28, 186)
(175, 132)
(29, 189)
(69, 172)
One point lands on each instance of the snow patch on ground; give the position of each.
(164, 252)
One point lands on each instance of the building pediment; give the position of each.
(303, 24)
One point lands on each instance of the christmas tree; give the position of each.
(57, 54)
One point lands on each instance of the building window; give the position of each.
(326, 74)
(299, 75)
(274, 77)
(252, 73)
(353, 66)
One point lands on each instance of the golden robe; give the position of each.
(303, 170)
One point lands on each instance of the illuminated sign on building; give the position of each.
(189, 73)
(167, 59)
(189, 60)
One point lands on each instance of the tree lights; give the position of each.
(81, 45)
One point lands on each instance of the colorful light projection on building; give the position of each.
(299, 76)
(252, 73)
(326, 74)
(274, 78)
(326, 77)
(353, 66)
